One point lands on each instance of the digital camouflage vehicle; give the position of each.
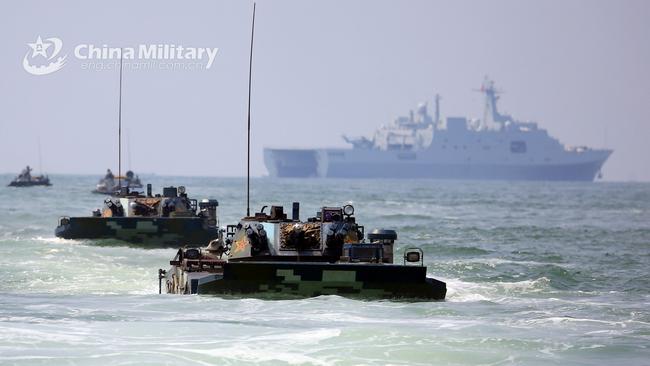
(271, 255)
(168, 220)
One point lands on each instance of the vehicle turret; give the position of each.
(273, 236)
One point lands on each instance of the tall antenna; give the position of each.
(128, 148)
(119, 132)
(248, 155)
(40, 157)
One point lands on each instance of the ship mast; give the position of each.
(436, 117)
(248, 155)
(483, 125)
(491, 111)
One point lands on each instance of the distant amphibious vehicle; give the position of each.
(26, 179)
(422, 146)
(112, 185)
(168, 220)
(270, 255)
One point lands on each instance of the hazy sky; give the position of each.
(581, 69)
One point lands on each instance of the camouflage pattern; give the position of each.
(33, 181)
(150, 231)
(283, 279)
(44, 182)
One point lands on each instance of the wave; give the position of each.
(463, 291)
(392, 217)
(453, 251)
(493, 271)
(57, 240)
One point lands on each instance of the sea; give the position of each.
(538, 273)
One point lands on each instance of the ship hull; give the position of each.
(340, 163)
(148, 231)
(567, 172)
(298, 163)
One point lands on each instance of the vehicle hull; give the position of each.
(30, 184)
(150, 231)
(301, 279)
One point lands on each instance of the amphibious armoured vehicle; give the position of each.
(168, 220)
(26, 179)
(269, 255)
(112, 185)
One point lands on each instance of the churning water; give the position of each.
(537, 274)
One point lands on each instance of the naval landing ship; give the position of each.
(270, 255)
(168, 220)
(421, 146)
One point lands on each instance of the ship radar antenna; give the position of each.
(119, 130)
(248, 154)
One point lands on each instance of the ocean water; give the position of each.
(537, 274)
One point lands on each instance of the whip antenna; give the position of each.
(248, 155)
(40, 158)
(128, 149)
(119, 132)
